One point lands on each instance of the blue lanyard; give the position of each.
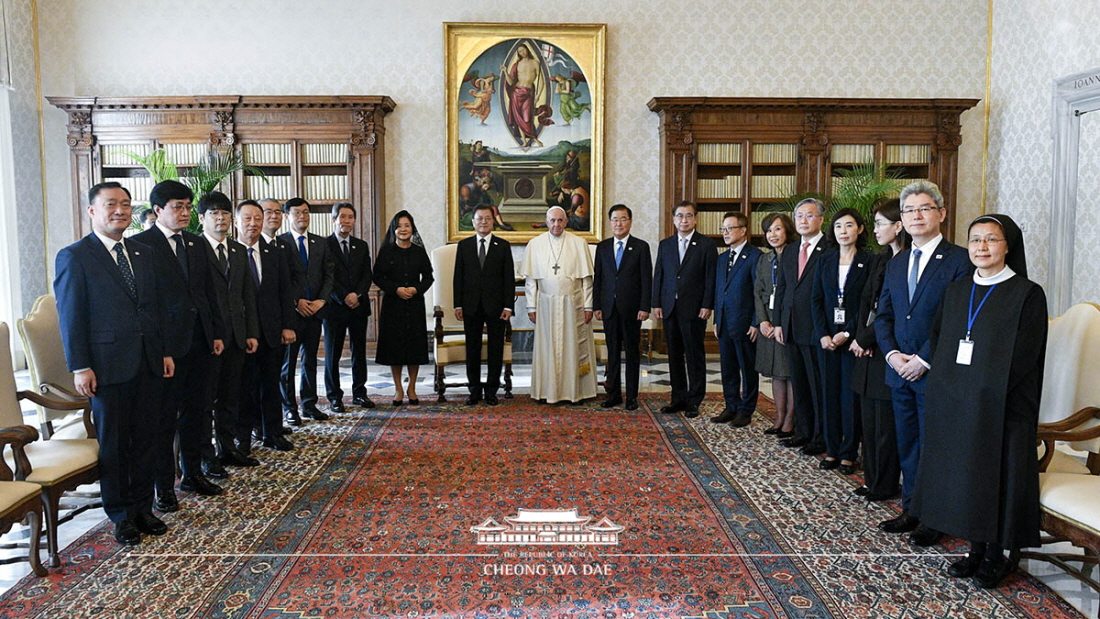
(775, 264)
(971, 312)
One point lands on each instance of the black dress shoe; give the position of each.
(257, 435)
(416, 401)
(292, 419)
(873, 497)
(363, 402)
(673, 408)
(726, 417)
(314, 414)
(813, 448)
(862, 491)
(278, 442)
(966, 566)
(126, 533)
(924, 536)
(472, 400)
(282, 430)
(214, 470)
(828, 464)
(847, 469)
(794, 441)
(771, 431)
(200, 485)
(784, 435)
(631, 404)
(612, 401)
(336, 406)
(236, 458)
(167, 502)
(691, 411)
(902, 524)
(992, 571)
(490, 400)
(150, 524)
(741, 420)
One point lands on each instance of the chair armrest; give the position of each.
(46, 388)
(1047, 433)
(63, 405)
(1071, 422)
(17, 437)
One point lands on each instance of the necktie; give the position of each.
(181, 252)
(914, 273)
(347, 253)
(223, 264)
(803, 258)
(733, 259)
(683, 248)
(481, 254)
(305, 262)
(127, 272)
(619, 256)
(252, 265)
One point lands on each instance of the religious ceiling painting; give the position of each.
(524, 126)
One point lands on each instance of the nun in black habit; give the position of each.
(979, 476)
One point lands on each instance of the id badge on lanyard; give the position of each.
(965, 355)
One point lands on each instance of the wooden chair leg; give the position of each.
(508, 381)
(440, 384)
(51, 501)
(34, 522)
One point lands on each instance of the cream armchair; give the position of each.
(448, 339)
(57, 466)
(19, 500)
(1071, 382)
(50, 375)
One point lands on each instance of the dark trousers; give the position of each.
(805, 369)
(684, 333)
(125, 415)
(740, 382)
(840, 413)
(261, 402)
(224, 397)
(880, 447)
(340, 322)
(309, 338)
(473, 323)
(909, 425)
(624, 334)
(185, 396)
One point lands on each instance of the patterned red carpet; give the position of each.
(376, 515)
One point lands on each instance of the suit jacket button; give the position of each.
(907, 317)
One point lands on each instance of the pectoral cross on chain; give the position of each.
(556, 267)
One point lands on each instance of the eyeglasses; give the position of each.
(806, 216)
(619, 220)
(725, 229)
(882, 223)
(271, 211)
(923, 210)
(988, 240)
(684, 216)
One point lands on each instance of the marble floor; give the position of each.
(654, 379)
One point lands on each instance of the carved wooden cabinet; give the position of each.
(745, 154)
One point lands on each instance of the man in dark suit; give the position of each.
(236, 301)
(912, 292)
(795, 326)
(314, 270)
(273, 222)
(683, 280)
(734, 325)
(269, 274)
(484, 298)
(623, 283)
(110, 316)
(348, 309)
(192, 333)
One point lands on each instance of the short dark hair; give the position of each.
(244, 203)
(484, 207)
(687, 203)
(621, 207)
(739, 216)
(291, 203)
(214, 201)
(336, 208)
(785, 219)
(98, 187)
(169, 190)
(861, 240)
(145, 214)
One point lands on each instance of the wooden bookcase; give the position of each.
(324, 149)
(745, 154)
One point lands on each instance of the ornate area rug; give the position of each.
(524, 510)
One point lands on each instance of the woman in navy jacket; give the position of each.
(835, 306)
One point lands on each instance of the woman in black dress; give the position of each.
(979, 476)
(404, 273)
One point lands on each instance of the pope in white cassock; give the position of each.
(558, 268)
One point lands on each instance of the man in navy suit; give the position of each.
(484, 298)
(795, 326)
(314, 272)
(348, 309)
(192, 332)
(110, 316)
(623, 281)
(734, 326)
(683, 280)
(270, 276)
(912, 292)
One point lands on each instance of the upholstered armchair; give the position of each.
(448, 339)
(56, 466)
(50, 375)
(20, 501)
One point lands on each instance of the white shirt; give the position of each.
(737, 251)
(256, 254)
(169, 234)
(267, 239)
(297, 247)
(110, 243)
(926, 252)
(214, 245)
(813, 243)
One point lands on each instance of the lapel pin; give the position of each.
(693, 243)
(860, 265)
(190, 243)
(939, 256)
(629, 249)
(137, 253)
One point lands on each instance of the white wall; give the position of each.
(782, 48)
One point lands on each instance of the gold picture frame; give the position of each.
(525, 114)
